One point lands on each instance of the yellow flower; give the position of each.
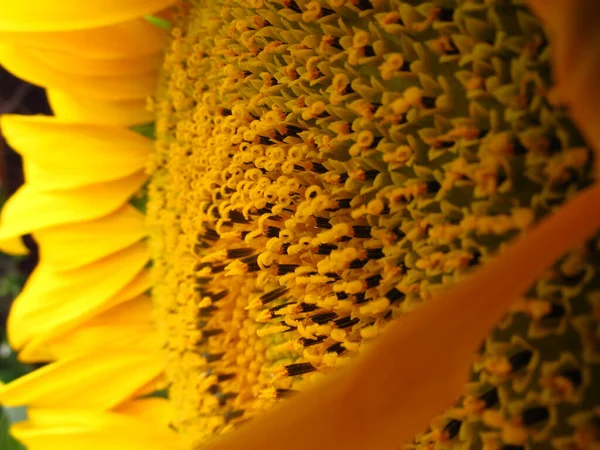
(324, 173)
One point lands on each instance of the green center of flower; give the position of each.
(323, 167)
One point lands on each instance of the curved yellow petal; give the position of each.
(91, 154)
(75, 245)
(74, 429)
(100, 380)
(50, 300)
(40, 347)
(122, 40)
(84, 65)
(153, 410)
(29, 67)
(32, 208)
(76, 108)
(13, 246)
(128, 325)
(41, 15)
(381, 403)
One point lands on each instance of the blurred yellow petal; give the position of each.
(13, 246)
(128, 325)
(76, 108)
(40, 347)
(41, 15)
(91, 154)
(84, 65)
(99, 380)
(74, 245)
(381, 403)
(122, 40)
(153, 410)
(32, 208)
(53, 299)
(74, 429)
(27, 66)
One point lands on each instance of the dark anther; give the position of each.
(452, 50)
(557, 311)
(322, 222)
(318, 168)
(243, 234)
(490, 398)
(307, 307)
(337, 347)
(264, 140)
(376, 141)
(323, 318)
(394, 295)
(237, 217)
(344, 203)
(343, 177)
(428, 102)
(252, 263)
(230, 415)
(573, 375)
(534, 415)
(284, 248)
(446, 14)
(399, 233)
(247, 73)
(373, 281)
(433, 187)
(310, 342)
(225, 376)
(452, 428)
(299, 168)
(273, 295)
(360, 298)
(346, 322)
(274, 309)
(284, 393)
(273, 232)
(212, 357)
(518, 147)
(573, 279)
(369, 51)
(375, 253)
(217, 269)
(333, 275)
(365, 4)
(282, 269)
(512, 447)
(371, 174)
(225, 112)
(475, 258)
(235, 253)
(218, 295)
(335, 42)
(291, 4)
(555, 144)
(362, 231)
(203, 280)
(210, 234)
(299, 369)
(520, 360)
(341, 295)
(358, 263)
(325, 249)
(212, 332)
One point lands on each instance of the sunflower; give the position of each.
(317, 221)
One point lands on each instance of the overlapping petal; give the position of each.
(132, 38)
(29, 67)
(33, 208)
(73, 429)
(76, 108)
(51, 299)
(91, 154)
(40, 15)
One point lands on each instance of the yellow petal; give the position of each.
(13, 246)
(122, 40)
(152, 410)
(51, 300)
(91, 154)
(40, 348)
(100, 380)
(125, 326)
(75, 108)
(32, 208)
(29, 67)
(40, 15)
(419, 366)
(74, 429)
(84, 65)
(74, 245)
